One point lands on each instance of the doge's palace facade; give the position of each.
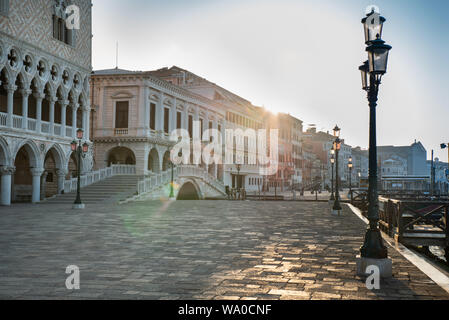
(44, 95)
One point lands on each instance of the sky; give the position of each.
(295, 56)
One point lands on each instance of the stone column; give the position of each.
(196, 144)
(61, 179)
(43, 185)
(173, 117)
(86, 122)
(25, 94)
(160, 114)
(52, 101)
(146, 106)
(6, 174)
(196, 116)
(36, 173)
(39, 97)
(10, 103)
(186, 117)
(75, 107)
(64, 104)
(206, 127)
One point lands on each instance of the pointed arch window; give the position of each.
(4, 7)
(60, 30)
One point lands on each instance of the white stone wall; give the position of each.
(140, 90)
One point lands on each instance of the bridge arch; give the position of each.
(189, 191)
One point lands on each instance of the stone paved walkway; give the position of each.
(193, 250)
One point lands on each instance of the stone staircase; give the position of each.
(112, 189)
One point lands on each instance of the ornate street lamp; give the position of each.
(172, 193)
(337, 147)
(350, 165)
(332, 176)
(239, 167)
(81, 151)
(444, 146)
(372, 72)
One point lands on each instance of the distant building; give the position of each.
(297, 154)
(361, 163)
(403, 167)
(441, 175)
(413, 158)
(321, 143)
(289, 171)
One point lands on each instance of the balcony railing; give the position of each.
(121, 132)
(17, 122)
(45, 127)
(30, 124)
(68, 132)
(3, 117)
(57, 130)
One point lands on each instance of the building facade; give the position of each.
(44, 96)
(242, 170)
(441, 184)
(361, 164)
(403, 167)
(297, 153)
(413, 159)
(134, 115)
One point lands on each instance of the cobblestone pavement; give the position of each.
(193, 250)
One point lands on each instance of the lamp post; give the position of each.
(239, 167)
(360, 179)
(337, 146)
(81, 151)
(372, 72)
(172, 192)
(446, 146)
(332, 176)
(350, 177)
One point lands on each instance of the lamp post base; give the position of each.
(373, 246)
(337, 206)
(79, 206)
(385, 267)
(336, 213)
